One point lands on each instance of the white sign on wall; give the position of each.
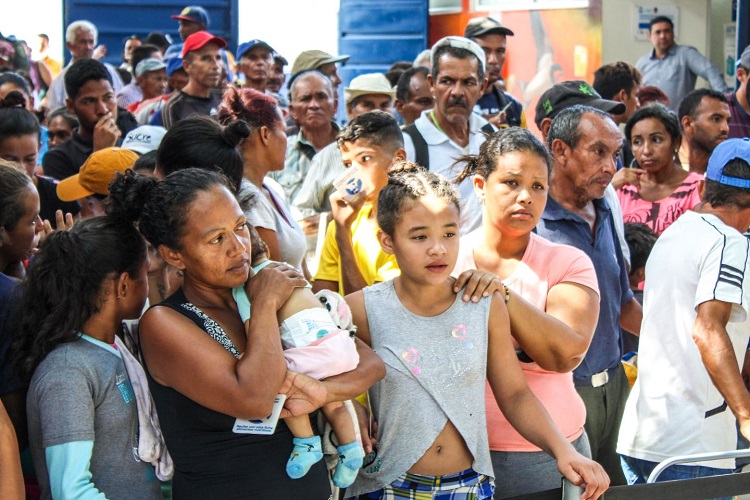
(730, 53)
(645, 13)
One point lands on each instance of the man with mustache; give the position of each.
(739, 104)
(201, 59)
(497, 106)
(584, 143)
(450, 130)
(704, 116)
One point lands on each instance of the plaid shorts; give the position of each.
(465, 485)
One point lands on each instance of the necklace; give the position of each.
(434, 120)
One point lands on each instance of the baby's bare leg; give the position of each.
(340, 420)
(300, 426)
(307, 447)
(350, 451)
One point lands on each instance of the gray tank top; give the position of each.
(435, 371)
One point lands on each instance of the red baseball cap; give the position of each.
(197, 40)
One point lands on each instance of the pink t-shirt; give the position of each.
(544, 265)
(659, 215)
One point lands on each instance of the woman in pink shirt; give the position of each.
(659, 190)
(553, 301)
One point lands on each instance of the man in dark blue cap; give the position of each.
(255, 62)
(193, 19)
(694, 335)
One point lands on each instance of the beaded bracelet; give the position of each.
(507, 293)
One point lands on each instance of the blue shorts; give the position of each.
(464, 485)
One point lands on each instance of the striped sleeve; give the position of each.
(723, 273)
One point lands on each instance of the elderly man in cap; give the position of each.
(151, 76)
(255, 61)
(584, 143)
(365, 93)
(322, 61)
(694, 337)
(450, 129)
(201, 59)
(131, 92)
(177, 78)
(80, 39)
(739, 104)
(563, 95)
(497, 106)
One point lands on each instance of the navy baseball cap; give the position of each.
(244, 47)
(195, 14)
(725, 152)
(173, 64)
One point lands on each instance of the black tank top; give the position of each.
(213, 462)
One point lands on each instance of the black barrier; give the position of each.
(686, 489)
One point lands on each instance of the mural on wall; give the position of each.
(549, 46)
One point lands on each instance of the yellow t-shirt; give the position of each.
(374, 264)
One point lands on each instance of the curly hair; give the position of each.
(407, 181)
(63, 287)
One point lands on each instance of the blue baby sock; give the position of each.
(351, 457)
(306, 452)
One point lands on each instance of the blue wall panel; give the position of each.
(116, 20)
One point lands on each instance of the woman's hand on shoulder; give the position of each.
(304, 394)
(584, 472)
(477, 284)
(274, 283)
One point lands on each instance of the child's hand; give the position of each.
(304, 394)
(584, 472)
(343, 212)
(477, 284)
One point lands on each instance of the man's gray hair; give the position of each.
(566, 125)
(88, 26)
(314, 72)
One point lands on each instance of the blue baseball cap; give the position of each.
(724, 153)
(244, 47)
(173, 64)
(195, 14)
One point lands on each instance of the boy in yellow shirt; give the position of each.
(351, 258)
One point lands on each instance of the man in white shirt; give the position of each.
(695, 332)
(80, 39)
(450, 130)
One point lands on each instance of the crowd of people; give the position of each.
(209, 288)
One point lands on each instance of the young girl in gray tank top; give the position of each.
(438, 350)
